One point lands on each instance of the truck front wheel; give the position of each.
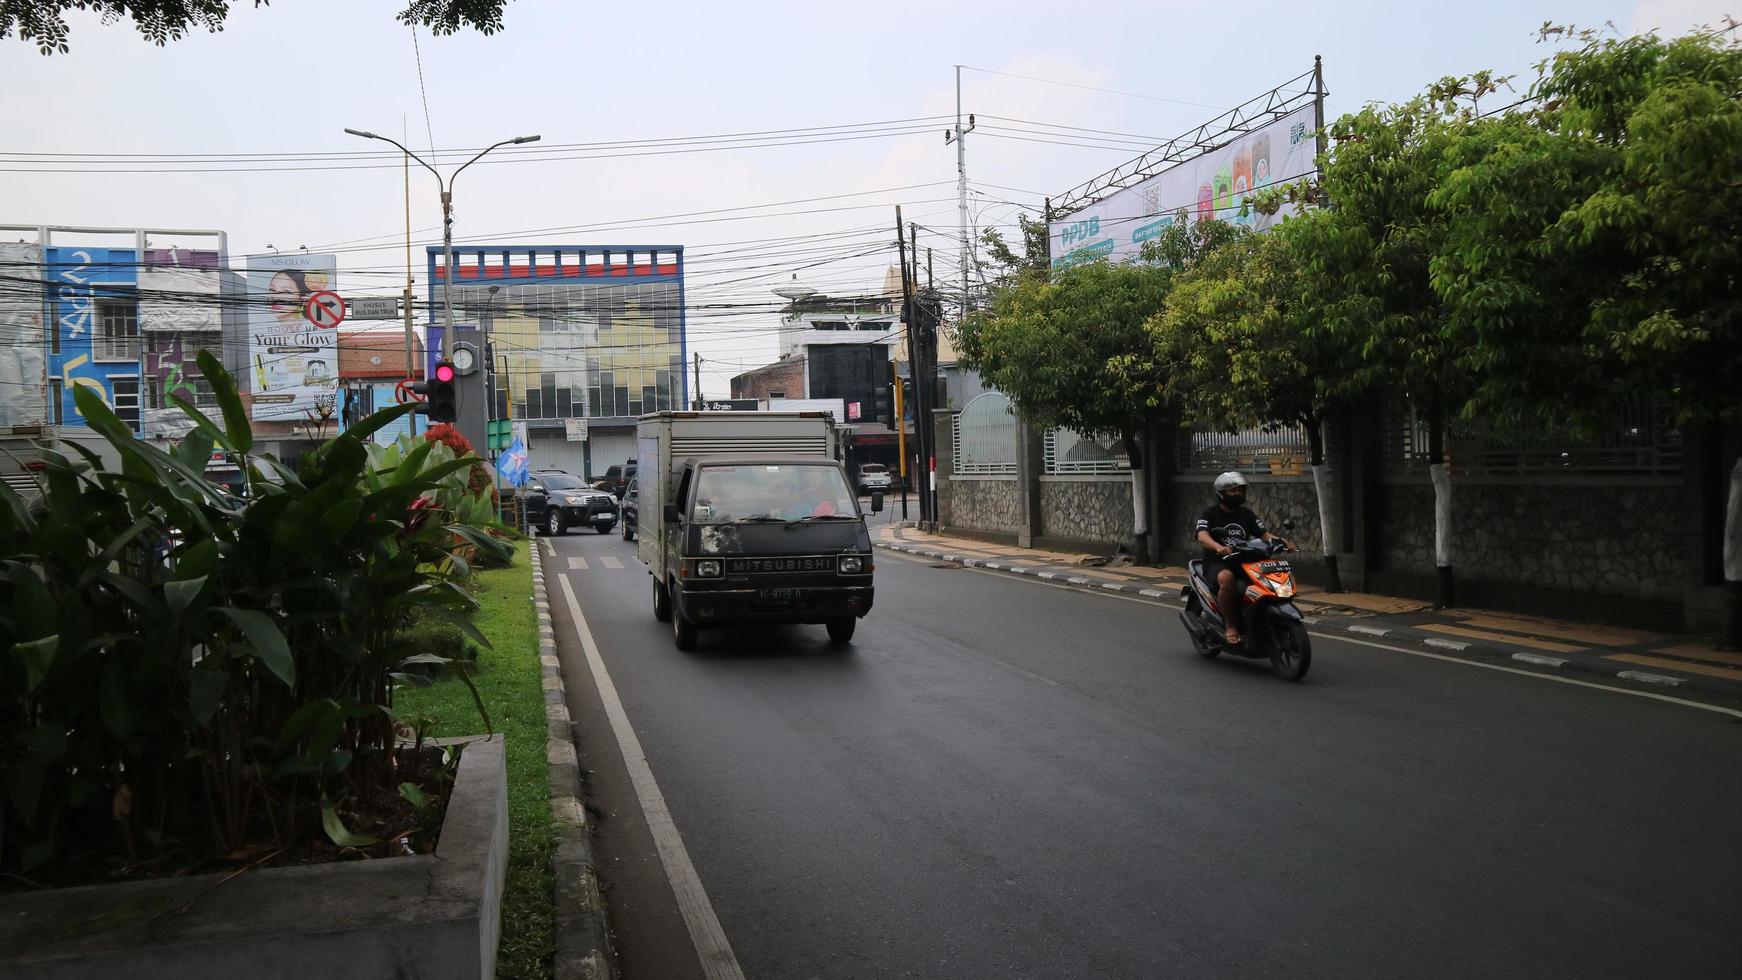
(683, 631)
(841, 630)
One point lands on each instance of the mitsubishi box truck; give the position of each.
(747, 518)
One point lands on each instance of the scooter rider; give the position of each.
(1221, 530)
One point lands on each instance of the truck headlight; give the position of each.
(708, 569)
(852, 565)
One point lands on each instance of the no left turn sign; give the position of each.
(324, 309)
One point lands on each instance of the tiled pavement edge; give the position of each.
(583, 947)
(1685, 670)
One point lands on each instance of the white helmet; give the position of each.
(1229, 481)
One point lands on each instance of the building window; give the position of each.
(127, 400)
(153, 394)
(777, 394)
(118, 333)
(54, 395)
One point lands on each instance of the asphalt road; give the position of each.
(1006, 779)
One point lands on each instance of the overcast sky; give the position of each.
(286, 79)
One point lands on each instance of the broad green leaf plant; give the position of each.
(191, 671)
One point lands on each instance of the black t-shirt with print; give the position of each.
(1232, 529)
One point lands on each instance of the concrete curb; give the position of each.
(1375, 627)
(583, 938)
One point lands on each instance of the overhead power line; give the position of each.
(1093, 88)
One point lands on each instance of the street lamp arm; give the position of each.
(487, 149)
(406, 150)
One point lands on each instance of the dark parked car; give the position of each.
(556, 501)
(617, 478)
(631, 509)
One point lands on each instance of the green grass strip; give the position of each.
(508, 679)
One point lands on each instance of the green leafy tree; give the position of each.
(43, 22)
(1032, 261)
(1071, 351)
(1595, 237)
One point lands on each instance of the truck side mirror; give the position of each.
(877, 502)
(672, 516)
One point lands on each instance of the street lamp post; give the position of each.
(447, 190)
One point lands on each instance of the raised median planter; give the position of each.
(432, 916)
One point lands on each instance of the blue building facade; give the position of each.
(94, 337)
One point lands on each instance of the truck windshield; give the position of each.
(769, 492)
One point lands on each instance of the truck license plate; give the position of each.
(779, 595)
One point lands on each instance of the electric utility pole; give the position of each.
(959, 137)
(697, 403)
(908, 318)
(925, 321)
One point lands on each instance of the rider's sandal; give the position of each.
(1232, 636)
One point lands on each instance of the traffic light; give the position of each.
(439, 400)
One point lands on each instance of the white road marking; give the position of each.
(1447, 644)
(1538, 659)
(1646, 677)
(577, 564)
(718, 960)
(1461, 661)
(1369, 630)
(1684, 702)
(610, 562)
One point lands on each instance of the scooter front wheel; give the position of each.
(1292, 652)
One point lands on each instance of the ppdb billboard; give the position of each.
(1215, 185)
(293, 362)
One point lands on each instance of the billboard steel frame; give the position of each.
(1297, 93)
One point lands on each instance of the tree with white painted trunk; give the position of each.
(1070, 351)
(1594, 242)
(1238, 341)
(1366, 273)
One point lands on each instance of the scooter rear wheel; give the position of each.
(1192, 620)
(1292, 654)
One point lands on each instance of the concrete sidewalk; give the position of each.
(1639, 658)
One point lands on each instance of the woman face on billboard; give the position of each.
(285, 293)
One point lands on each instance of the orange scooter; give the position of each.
(1271, 623)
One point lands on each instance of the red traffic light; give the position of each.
(444, 372)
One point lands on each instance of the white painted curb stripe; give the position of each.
(1153, 593)
(718, 960)
(1447, 644)
(1646, 677)
(1539, 660)
(1369, 630)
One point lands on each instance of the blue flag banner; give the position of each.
(512, 464)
